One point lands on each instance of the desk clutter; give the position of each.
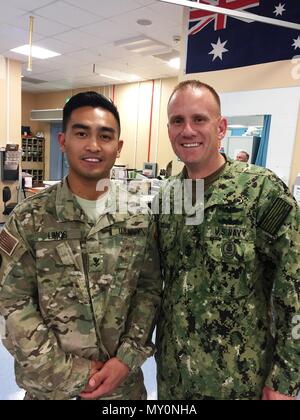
(10, 158)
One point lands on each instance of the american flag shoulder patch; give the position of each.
(274, 218)
(8, 242)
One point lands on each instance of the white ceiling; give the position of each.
(85, 32)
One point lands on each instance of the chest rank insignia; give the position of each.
(58, 235)
(228, 249)
(96, 261)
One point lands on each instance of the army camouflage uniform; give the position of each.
(72, 292)
(214, 334)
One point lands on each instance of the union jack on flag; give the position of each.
(217, 42)
(204, 17)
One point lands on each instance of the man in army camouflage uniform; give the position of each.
(80, 286)
(232, 279)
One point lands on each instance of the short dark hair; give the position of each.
(93, 99)
(196, 84)
(245, 153)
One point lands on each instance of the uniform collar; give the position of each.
(67, 207)
(224, 190)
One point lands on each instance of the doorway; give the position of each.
(58, 162)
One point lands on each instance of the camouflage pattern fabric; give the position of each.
(72, 292)
(229, 282)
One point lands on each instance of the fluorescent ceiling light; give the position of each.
(110, 77)
(174, 63)
(37, 52)
(142, 45)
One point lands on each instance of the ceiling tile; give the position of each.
(62, 12)
(41, 25)
(146, 2)
(142, 13)
(30, 5)
(83, 56)
(12, 37)
(109, 30)
(79, 38)
(168, 11)
(106, 9)
(57, 46)
(9, 13)
(38, 67)
(110, 51)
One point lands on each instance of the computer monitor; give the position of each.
(150, 169)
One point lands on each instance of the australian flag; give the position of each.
(218, 42)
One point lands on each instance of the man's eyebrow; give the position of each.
(200, 114)
(82, 126)
(110, 129)
(176, 116)
(77, 126)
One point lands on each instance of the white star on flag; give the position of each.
(279, 9)
(296, 44)
(218, 49)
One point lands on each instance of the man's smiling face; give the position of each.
(91, 143)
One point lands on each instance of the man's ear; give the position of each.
(62, 142)
(222, 128)
(120, 146)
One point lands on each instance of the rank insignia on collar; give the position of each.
(96, 261)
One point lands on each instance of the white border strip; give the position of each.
(7, 100)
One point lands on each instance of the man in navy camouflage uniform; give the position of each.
(232, 282)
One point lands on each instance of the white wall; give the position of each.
(283, 105)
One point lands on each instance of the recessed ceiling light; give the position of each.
(174, 63)
(36, 52)
(144, 22)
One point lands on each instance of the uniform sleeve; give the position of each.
(136, 344)
(42, 368)
(279, 240)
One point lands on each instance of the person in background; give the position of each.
(242, 156)
(80, 285)
(228, 328)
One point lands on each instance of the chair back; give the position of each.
(6, 194)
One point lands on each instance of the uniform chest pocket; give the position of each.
(230, 263)
(121, 259)
(167, 235)
(60, 279)
(168, 244)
